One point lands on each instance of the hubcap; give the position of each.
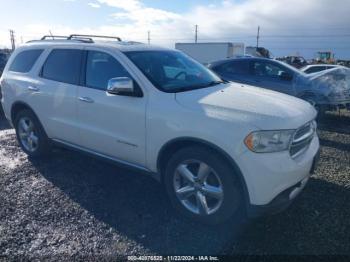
(198, 187)
(27, 134)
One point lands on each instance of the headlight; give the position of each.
(269, 141)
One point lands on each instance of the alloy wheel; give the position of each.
(27, 134)
(198, 187)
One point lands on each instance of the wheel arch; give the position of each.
(19, 106)
(178, 143)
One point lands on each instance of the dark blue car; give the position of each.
(326, 90)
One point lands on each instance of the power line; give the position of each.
(12, 39)
(196, 34)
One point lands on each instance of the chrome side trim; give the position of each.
(123, 162)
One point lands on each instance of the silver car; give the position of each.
(326, 90)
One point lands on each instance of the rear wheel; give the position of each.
(30, 134)
(202, 186)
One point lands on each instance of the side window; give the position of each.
(315, 69)
(63, 65)
(25, 60)
(266, 69)
(100, 68)
(235, 67)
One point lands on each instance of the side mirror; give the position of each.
(123, 86)
(286, 76)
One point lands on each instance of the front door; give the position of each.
(112, 125)
(268, 75)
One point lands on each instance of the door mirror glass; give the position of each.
(121, 86)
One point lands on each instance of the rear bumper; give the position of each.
(284, 199)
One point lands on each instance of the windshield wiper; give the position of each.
(188, 88)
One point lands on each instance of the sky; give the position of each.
(288, 27)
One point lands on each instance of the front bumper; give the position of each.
(284, 199)
(268, 175)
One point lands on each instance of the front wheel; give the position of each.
(30, 134)
(202, 186)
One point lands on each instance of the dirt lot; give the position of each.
(70, 204)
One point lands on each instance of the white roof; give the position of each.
(314, 65)
(122, 46)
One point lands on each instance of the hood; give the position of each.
(332, 84)
(262, 108)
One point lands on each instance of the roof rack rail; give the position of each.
(53, 37)
(89, 37)
(75, 37)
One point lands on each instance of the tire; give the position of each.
(220, 176)
(28, 128)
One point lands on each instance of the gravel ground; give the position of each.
(318, 223)
(71, 204)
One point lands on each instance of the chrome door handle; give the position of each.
(86, 99)
(33, 88)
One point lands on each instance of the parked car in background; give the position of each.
(326, 90)
(220, 149)
(295, 61)
(309, 69)
(4, 55)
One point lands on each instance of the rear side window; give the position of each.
(25, 60)
(100, 68)
(234, 67)
(63, 65)
(315, 69)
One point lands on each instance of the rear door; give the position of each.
(54, 95)
(112, 125)
(268, 74)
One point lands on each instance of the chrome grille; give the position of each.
(302, 139)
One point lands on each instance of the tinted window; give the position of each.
(234, 67)
(102, 67)
(63, 65)
(25, 60)
(262, 68)
(315, 69)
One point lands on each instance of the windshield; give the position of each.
(292, 68)
(173, 71)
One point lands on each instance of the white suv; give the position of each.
(219, 148)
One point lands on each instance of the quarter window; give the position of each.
(63, 65)
(100, 68)
(25, 60)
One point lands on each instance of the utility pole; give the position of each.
(12, 39)
(149, 37)
(257, 38)
(196, 34)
